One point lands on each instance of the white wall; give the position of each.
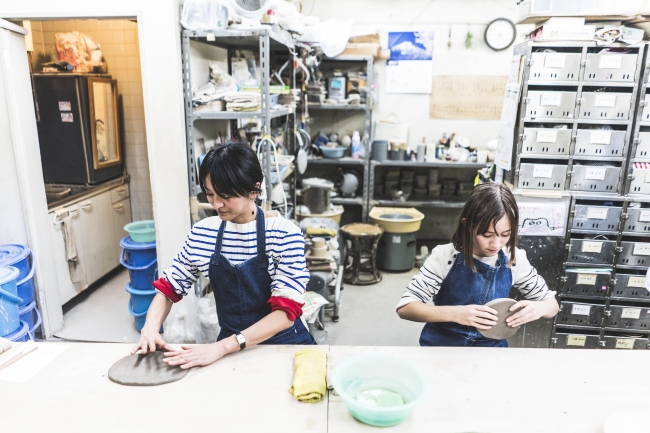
(439, 16)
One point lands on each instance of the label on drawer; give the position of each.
(555, 61)
(552, 99)
(631, 313)
(581, 310)
(586, 279)
(647, 177)
(600, 137)
(597, 213)
(610, 61)
(644, 216)
(576, 340)
(605, 100)
(641, 249)
(624, 343)
(543, 171)
(592, 247)
(546, 136)
(595, 173)
(636, 282)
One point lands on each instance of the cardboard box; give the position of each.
(534, 11)
(361, 50)
(365, 39)
(555, 33)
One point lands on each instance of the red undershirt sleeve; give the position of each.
(292, 308)
(165, 287)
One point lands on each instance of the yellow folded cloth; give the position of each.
(315, 231)
(309, 375)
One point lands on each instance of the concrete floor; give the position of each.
(367, 315)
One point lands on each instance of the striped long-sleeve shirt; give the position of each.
(285, 245)
(426, 284)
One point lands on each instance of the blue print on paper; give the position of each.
(410, 45)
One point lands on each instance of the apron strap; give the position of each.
(261, 238)
(217, 245)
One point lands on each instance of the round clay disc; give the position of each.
(144, 370)
(501, 330)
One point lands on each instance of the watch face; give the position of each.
(500, 34)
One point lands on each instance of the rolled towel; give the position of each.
(310, 367)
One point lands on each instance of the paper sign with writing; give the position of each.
(610, 61)
(644, 216)
(636, 282)
(546, 136)
(581, 310)
(576, 340)
(543, 171)
(586, 279)
(597, 213)
(641, 249)
(600, 137)
(631, 313)
(542, 219)
(592, 247)
(605, 100)
(551, 99)
(595, 173)
(554, 60)
(624, 343)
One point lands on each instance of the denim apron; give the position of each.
(242, 291)
(464, 287)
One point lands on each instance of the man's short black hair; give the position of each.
(234, 170)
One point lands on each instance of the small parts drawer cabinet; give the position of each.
(634, 254)
(546, 141)
(595, 178)
(554, 67)
(600, 143)
(586, 282)
(576, 314)
(630, 286)
(619, 68)
(621, 342)
(542, 176)
(596, 219)
(626, 317)
(591, 251)
(564, 340)
(550, 105)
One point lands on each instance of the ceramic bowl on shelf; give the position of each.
(333, 152)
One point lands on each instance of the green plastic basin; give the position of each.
(141, 231)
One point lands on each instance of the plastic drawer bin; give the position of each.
(600, 143)
(617, 68)
(630, 343)
(542, 176)
(634, 254)
(645, 115)
(586, 282)
(637, 221)
(629, 286)
(643, 145)
(546, 141)
(554, 67)
(564, 340)
(550, 105)
(582, 315)
(594, 178)
(591, 251)
(627, 317)
(640, 181)
(605, 106)
(596, 218)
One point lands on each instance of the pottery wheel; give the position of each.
(501, 330)
(144, 370)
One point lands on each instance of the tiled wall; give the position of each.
(119, 42)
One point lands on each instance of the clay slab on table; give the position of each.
(501, 330)
(145, 370)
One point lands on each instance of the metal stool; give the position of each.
(361, 242)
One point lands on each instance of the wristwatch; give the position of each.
(241, 340)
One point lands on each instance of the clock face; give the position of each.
(500, 34)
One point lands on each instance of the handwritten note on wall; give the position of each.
(542, 219)
(467, 97)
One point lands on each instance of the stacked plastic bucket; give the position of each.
(20, 318)
(139, 257)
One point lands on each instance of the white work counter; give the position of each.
(472, 389)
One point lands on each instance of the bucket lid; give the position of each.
(130, 244)
(8, 273)
(12, 253)
(139, 292)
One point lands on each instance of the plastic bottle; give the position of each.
(356, 144)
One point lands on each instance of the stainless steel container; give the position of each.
(316, 194)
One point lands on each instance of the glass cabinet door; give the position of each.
(104, 128)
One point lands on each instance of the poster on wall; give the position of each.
(542, 219)
(410, 67)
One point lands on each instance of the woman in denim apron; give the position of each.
(248, 312)
(480, 272)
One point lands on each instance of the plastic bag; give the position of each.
(204, 15)
(79, 50)
(207, 324)
(177, 326)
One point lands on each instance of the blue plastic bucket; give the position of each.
(140, 299)
(18, 256)
(9, 300)
(137, 253)
(21, 335)
(140, 319)
(142, 277)
(30, 315)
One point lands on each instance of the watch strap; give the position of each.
(241, 340)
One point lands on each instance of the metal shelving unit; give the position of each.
(264, 41)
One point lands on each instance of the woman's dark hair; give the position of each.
(488, 203)
(233, 168)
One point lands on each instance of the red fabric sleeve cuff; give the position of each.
(292, 308)
(165, 287)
